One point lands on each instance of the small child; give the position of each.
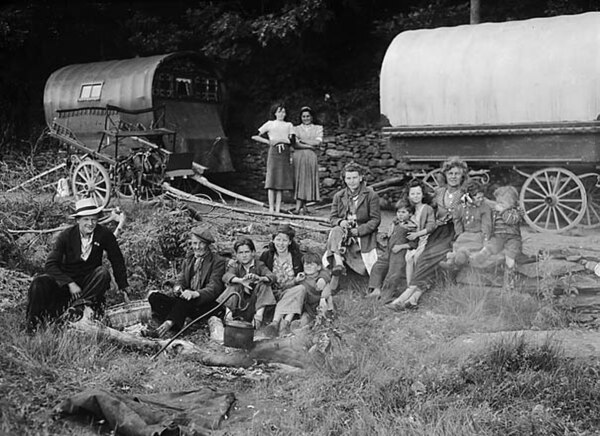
(507, 217)
(389, 272)
(318, 291)
(250, 280)
(473, 225)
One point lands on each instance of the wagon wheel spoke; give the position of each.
(541, 214)
(533, 209)
(564, 185)
(535, 193)
(575, 211)
(546, 193)
(576, 188)
(564, 216)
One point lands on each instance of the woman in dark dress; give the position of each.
(446, 199)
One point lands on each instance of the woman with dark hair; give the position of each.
(439, 242)
(306, 170)
(284, 259)
(279, 166)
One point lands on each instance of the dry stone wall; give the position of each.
(340, 146)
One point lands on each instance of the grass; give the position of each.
(375, 372)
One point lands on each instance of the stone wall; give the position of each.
(340, 146)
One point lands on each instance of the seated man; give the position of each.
(74, 271)
(250, 280)
(356, 216)
(198, 285)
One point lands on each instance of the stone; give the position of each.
(553, 267)
(336, 154)
(328, 182)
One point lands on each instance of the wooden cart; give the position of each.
(523, 95)
(131, 159)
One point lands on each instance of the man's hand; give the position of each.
(396, 248)
(353, 231)
(188, 294)
(344, 224)
(75, 290)
(412, 236)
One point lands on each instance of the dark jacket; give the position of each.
(268, 256)
(368, 214)
(64, 263)
(211, 272)
(237, 270)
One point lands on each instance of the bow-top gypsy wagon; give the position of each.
(520, 94)
(135, 122)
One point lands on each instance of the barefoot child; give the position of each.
(250, 280)
(507, 217)
(472, 224)
(389, 272)
(316, 281)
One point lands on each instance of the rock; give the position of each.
(554, 267)
(336, 154)
(574, 258)
(328, 182)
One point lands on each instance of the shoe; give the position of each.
(376, 293)
(394, 307)
(271, 330)
(338, 270)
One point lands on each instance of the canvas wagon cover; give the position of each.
(538, 70)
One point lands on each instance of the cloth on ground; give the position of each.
(186, 413)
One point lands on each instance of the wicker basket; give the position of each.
(124, 315)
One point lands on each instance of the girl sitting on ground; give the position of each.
(472, 224)
(389, 272)
(424, 218)
(250, 280)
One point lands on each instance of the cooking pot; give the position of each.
(238, 334)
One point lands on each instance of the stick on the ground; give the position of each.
(191, 198)
(39, 176)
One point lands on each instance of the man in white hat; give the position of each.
(74, 269)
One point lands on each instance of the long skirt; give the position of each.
(280, 174)
(306, 175)
(438, 245)
(291, 301)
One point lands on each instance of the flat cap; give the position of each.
(203, 233)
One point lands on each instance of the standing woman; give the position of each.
(439, 242)
(306, 170)
(279, 166)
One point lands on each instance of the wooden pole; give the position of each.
(191, 198)
(203, 181)
(475, 12)
(39, 176)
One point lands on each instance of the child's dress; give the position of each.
(424, 218)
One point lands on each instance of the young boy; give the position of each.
(472, 225)
(389, 272)
(507, 217)
(318, 292)
(250, 280)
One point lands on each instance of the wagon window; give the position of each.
(184, 87)
(90, 91)
(207, 89)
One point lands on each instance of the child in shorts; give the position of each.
(389, 272)
(316, 281)
(506, 236)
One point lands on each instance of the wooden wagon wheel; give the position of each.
(591, 218)
(432, 178)
(90, 179)
(553, 199)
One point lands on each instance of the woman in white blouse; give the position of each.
(279, 166)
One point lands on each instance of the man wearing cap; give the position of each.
(74, 270)
(198, 285)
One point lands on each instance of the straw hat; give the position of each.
(86, 207)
